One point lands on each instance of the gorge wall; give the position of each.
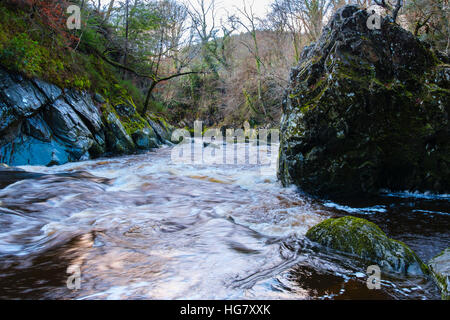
(41, 124)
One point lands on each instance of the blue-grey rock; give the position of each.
(42, 125)
(69, 128)
(37, 128)
(26, 150)
(20, 94)
(163, 133)
(51, 91)
(125, 110)
(118, 141)
(82, 103)
(440, 270)
(145, 139)
(99, 98)
(7, 116)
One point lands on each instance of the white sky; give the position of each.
(260, 7)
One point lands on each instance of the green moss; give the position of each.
(437, 266)
(133, 124)
(365, 239)
(312, 104)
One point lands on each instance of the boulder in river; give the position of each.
(367, 241)
(440, 270)
(146, 139)
(366, 110)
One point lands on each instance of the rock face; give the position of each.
(366, 240)
(42, 125)
(366, 110)
(440, 269)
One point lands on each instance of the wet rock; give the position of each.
(162, 128)
(69, 128)
(51, 91)
(366, 110)
(37, 128)
(117, 139)
(27, 150)
(125, 110)
(440, 270)
(82, 103)
(7, 116)
(365, 240)
(99, 98)
(19, 97)
(211, 145)
(9, 175)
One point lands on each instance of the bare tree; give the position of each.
(394, 10)
(173, 37)
(284, 18)
(249, 22)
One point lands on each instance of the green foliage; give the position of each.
(133, 91)
(157, 107)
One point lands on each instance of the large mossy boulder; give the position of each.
(367, 241)
(366, 110)
(440, 270)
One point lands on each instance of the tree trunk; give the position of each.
(126, 35)
(147, 99)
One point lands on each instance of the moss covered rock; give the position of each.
(161, 127)
(366, 240)
(440, 270)
(117, 138)
(366, 110)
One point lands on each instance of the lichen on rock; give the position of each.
(367, 241)
(440, 270)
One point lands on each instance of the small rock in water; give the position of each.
(440, 269)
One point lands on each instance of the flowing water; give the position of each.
(141, 227)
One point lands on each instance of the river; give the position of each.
(142, 227)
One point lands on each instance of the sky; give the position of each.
(260, 7)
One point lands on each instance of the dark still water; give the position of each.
(139, 227)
